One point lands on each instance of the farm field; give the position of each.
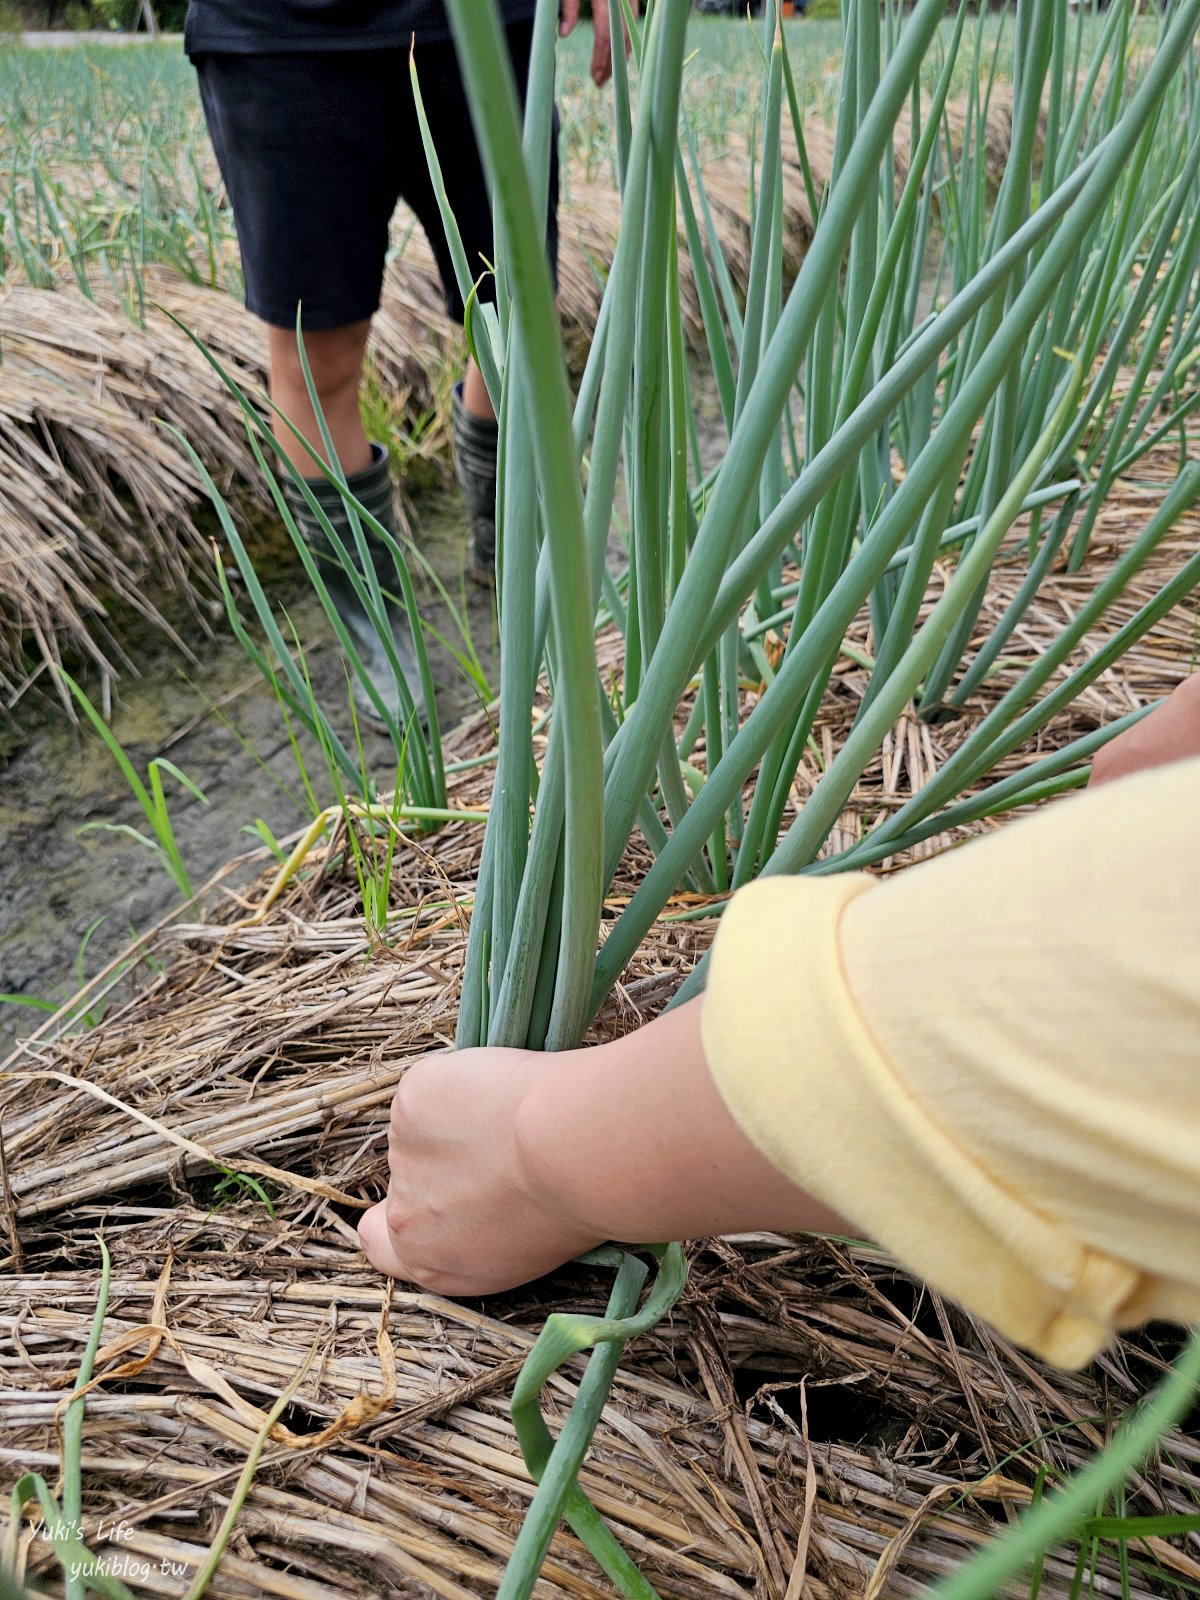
(861, 571)
(145, 210)
(114, 180)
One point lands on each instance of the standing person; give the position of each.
(310, 110)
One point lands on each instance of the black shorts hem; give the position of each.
(195, 47)
(310, 321)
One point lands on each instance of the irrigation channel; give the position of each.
(74, 889)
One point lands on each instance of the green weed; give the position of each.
(152, 800)
(62, 1523)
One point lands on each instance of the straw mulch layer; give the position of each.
(809, 1420)
(95, 493)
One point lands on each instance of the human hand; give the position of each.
(465, 1214)
(506, 1163)
(1170, 733)
(568, 12)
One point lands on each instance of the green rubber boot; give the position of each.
(475, 441)
(374, 490)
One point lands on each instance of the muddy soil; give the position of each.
(65, 870)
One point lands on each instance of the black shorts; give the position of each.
(315, 150)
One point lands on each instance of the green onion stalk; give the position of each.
(960, 370)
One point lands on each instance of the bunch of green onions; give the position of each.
(945, 363)
(919, 430)
(866, 435)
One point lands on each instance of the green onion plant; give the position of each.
(150, 796)
(62, 1523)
(948, 360)
(282, 665)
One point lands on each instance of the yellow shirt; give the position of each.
(991, 1062)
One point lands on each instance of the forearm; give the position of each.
(637, 1142)
(1171, 733)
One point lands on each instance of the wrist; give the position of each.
(620, 1139)
(559, 1149)
(632, 1141)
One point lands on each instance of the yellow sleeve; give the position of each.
(991, 1062)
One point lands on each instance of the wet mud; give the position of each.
(74, 889)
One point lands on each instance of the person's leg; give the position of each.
(476, 400)
(306, 149)
(475, 435)
(335, 359)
